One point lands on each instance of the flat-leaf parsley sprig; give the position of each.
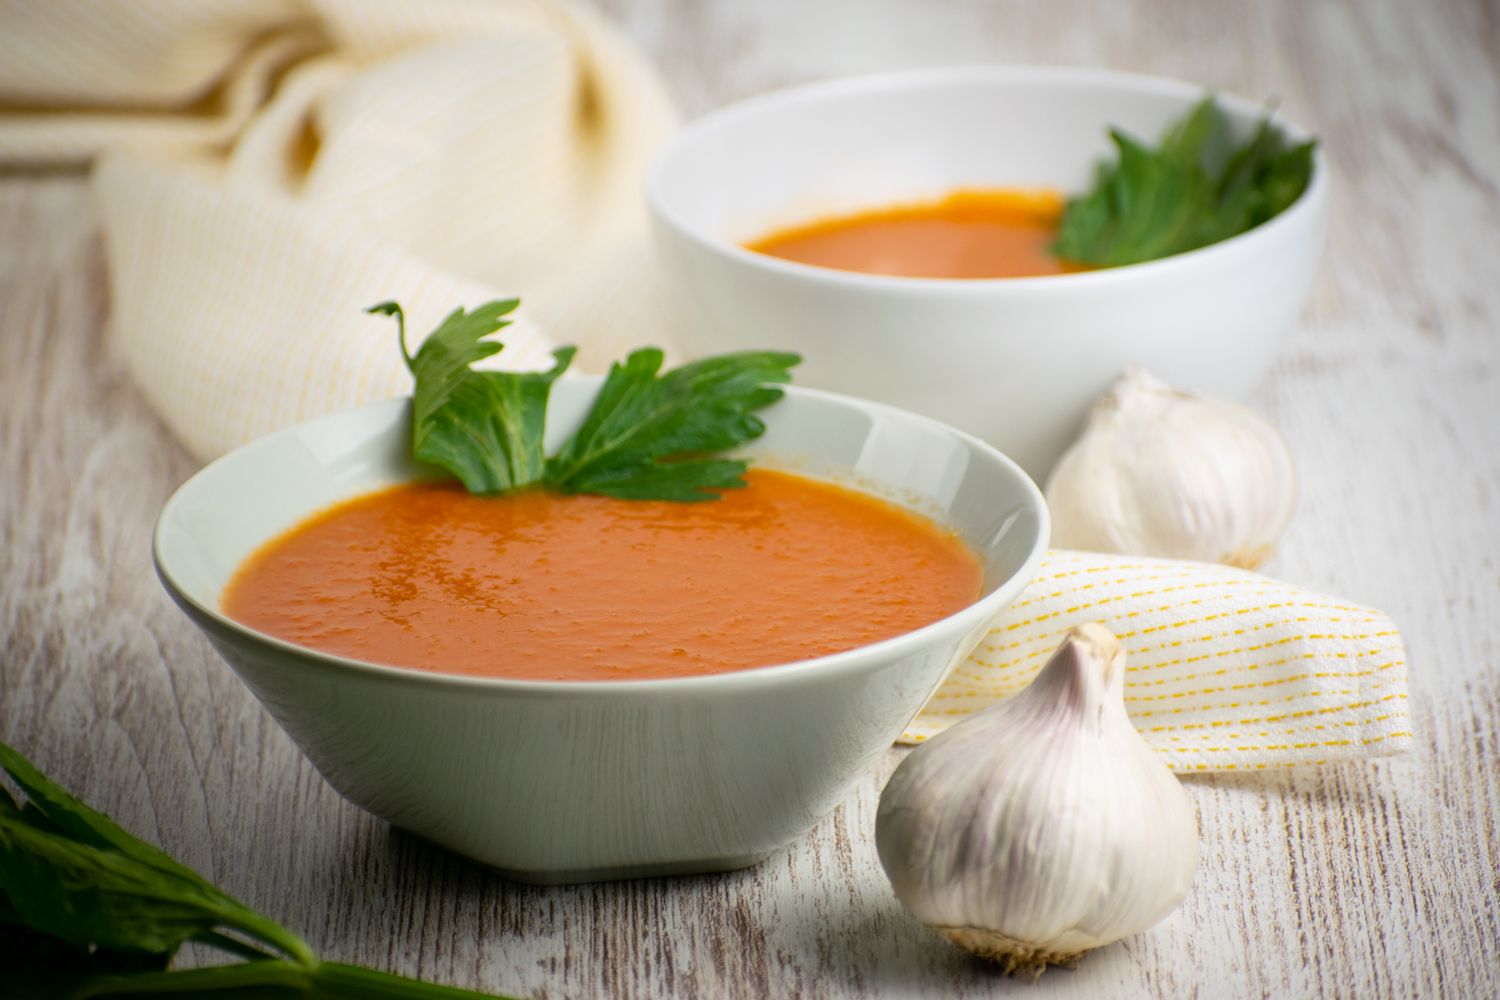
(649, 435)
(87, 910)
(1194, 189)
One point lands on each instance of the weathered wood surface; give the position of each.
(1361, 880)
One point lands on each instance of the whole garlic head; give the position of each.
(1043, 826)
(1158, 472)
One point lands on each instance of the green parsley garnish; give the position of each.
(1196, 188)
(87, 910)
(650, 435)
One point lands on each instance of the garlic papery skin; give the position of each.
(1043, 826)
(1158, 472)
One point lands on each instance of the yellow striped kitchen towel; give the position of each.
(1226, 669)
(265, 169)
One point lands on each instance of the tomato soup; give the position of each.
(969, 234)
(540, 585)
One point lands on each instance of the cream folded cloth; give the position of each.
(1225, 669)
(271, 167)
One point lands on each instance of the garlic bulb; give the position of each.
(1159, 472)
(1043, 826)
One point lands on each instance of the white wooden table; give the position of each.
(1375, 879)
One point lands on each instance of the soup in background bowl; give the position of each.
(563, 781)
(967, 234)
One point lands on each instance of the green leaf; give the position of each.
(485, 427)
(91, 896)
(1282, 180)
(77, 821)
(87, 910)
(1196, 188)
(275, 980)
(72, 872)
(28, 952)
(1187, 141)
(647, 435)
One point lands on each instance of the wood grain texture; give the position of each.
(1361, 880)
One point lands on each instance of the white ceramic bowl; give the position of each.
(1015, 361)
(569, 781)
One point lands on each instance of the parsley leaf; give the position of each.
(1195, 189)
(485, 427)
(72, 873)
(648, 435)
(87, 910)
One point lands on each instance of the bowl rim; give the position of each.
(1308, 202)
(853, 660)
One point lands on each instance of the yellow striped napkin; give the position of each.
(271, 168)
(1226, 670)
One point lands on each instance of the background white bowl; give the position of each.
(1013, 360)
(568, 781)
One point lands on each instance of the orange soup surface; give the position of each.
(540, 585)
(969, 234)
